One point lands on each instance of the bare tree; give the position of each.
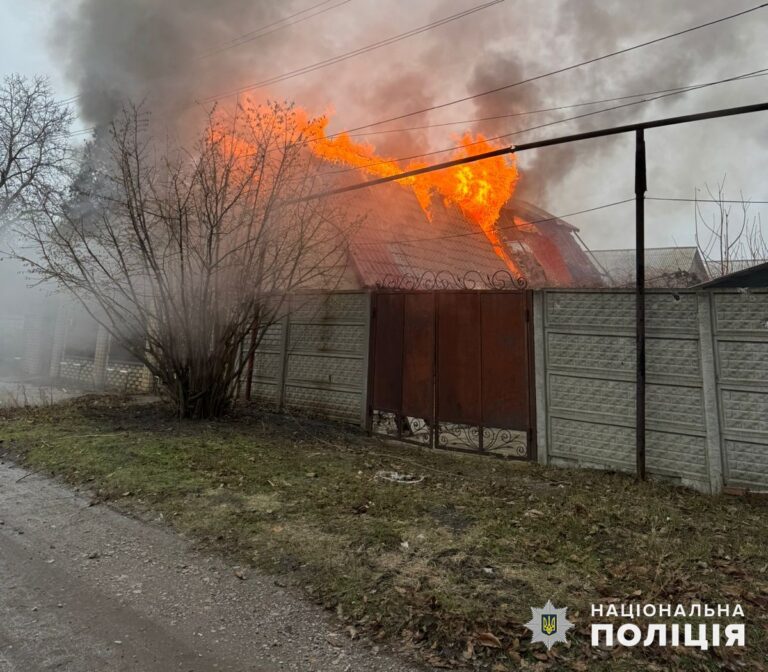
(34, 145)
(185, 256)
(727, 235)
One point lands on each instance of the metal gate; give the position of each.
(453, 369)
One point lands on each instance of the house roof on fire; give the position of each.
(397, 240)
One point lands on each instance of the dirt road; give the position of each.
(85, 589)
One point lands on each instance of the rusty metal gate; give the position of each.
(453, 369)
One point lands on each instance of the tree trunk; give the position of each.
(204, 396)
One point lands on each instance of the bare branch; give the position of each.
(34, 146)
(730, 237)
(196, 249)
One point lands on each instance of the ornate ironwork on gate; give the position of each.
(433, 280)
(452, 368)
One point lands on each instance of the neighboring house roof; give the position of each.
(397, 239)
(716, 269)
(664, 266)
(751, 276)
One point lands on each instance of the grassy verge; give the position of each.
(447, 568)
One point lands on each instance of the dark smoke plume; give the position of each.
(173, 54)
(583, 29)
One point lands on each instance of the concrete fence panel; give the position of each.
(316, 358)
(740, 330)
(707, 368)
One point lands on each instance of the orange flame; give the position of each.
(479, 189)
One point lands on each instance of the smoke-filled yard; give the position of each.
(444, 567)
(18, 394)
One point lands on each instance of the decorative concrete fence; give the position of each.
(316, 358)
(707, 384)
(707, 377)
(97, 372)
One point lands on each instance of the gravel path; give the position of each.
(86, 589)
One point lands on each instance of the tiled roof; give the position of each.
(556, 258)
(661, 263)
(716, 269)
(534, 214)
(396, 238)
(751, 276)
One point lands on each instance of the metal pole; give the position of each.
(640, 188)
(615, 130)
(251, 360)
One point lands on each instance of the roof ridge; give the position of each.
(632, 249)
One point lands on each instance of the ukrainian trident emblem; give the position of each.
(549, 625)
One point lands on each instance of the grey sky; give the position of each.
(26, 26)
(113, 43)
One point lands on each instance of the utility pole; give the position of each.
(640, 189)
(641, 186)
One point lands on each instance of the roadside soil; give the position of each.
(85, 589)
(285, 516)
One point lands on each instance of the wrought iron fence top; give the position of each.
(445, 279)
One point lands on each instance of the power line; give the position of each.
(741, 201)
(688, 89)
(675, 89)
(68, 101)
(275, 23)
(480, 232)
(250, 36)
(552, 218)
(671, 91)
(351, 54)
(502, 151)
(275, 27)
(558, 71)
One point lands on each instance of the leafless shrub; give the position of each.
(728, 233)
(184, 256)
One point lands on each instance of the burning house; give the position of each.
(457, 221)
(398, 242)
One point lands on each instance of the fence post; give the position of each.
(367, 382)
(540, 375)
(100, 357)
(709, 390)
(285, 325)
(60, 330)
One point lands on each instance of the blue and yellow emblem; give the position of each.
(549, 624)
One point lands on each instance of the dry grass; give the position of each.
(428, 566)
(19, 395)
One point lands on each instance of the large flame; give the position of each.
(479, 189)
